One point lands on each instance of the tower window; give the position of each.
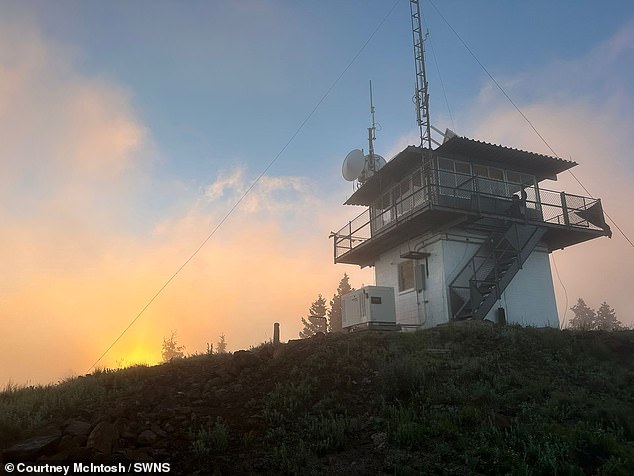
(454, 178)
(406, 280)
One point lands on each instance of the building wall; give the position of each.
(435, 292)
(528, 300)
(386, 274)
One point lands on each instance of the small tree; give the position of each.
(171, 349)
(335, 313)
(585, 317)
(222, 345)
(316, 320)
(606, 319)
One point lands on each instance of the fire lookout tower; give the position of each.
(463, 231)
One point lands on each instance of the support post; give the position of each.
(564, 209)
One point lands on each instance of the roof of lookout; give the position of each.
(459, 148)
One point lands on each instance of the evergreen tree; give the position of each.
(334, 313)
(221, 345)
(171, 349)
(585, 317)
(606, 319)
(316, 320)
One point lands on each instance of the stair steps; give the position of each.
(480, 283)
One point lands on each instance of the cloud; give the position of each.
(273, 194)
(401, 142)
(589, 122)
(225, 181)
(84, 246)
(72, 151)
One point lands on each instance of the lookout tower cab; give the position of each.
(464, 232)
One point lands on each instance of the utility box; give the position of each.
(370, 306)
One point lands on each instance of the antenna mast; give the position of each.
(371, 135)
(422, 92)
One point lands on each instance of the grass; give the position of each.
(210, 440)
(24, 408)
(472, 399)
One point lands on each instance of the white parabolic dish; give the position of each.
(353, 165)
(379, 161)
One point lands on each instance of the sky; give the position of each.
(130, 129)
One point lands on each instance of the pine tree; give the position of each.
(606, 319)
(316, 320)
(334, 313)
(585, 317)
(171, 349)
(221, 345)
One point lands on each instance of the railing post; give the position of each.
(350, 234)
(564, 208)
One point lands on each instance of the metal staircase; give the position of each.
(480, 283)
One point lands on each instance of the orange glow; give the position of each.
(138, 356)
(84, 245)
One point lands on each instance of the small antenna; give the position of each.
(371, 134)
(357, 167)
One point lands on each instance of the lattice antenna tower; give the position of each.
(422, 91)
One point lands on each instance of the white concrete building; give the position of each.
(464, 232)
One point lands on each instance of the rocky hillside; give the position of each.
(468, 399)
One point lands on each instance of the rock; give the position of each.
(68, 442)
(138, 456)
(379, 440)
(79, 454)
(72, 454)
(77, 428)
(117, 412)
(103, 438)
(243, 359)
(32, 448)
(125, 429)
(56, 458)
(159, 432)
(146, 438)
(166, 413)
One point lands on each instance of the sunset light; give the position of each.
(125, 142)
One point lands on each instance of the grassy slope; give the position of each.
(470, 399)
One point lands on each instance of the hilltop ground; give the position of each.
(469, 399)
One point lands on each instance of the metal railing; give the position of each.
(461, 192)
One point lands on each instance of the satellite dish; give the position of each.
(370, 169)
(353, 165)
